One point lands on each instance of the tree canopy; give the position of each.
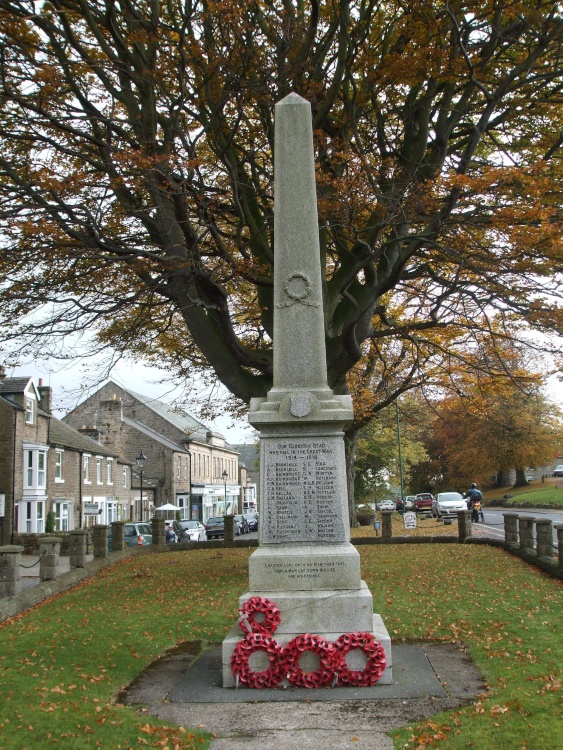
(136, 186)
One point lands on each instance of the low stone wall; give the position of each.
(31, 542)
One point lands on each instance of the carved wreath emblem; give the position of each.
(298, 287)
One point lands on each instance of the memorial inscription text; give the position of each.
(301, 483)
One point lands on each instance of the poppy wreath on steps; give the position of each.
(317, 645)
(265, 609)
(375, 665)
(268, 678)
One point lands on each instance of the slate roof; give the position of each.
(180, 419)
(62, 434)
(14, 385)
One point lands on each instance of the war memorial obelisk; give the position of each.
(305, 562)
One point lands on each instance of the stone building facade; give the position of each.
(188, 465)
(45, 465)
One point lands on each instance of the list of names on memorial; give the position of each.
(304, 486)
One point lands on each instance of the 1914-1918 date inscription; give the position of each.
(303, 481)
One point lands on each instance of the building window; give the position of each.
(41, 473)
(29, 472)
(86, 474)
(110, 470)
(125, 476)
(59, 466)
(99, 479)
(35, 469)
(29, 410)
(62, 512)
(33, 516)
(179, 468)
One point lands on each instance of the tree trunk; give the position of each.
(350, 445)
(503, 478)
(521, 480)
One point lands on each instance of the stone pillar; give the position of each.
(526, 531)
(559, 529)
(464, 525)
(158, 530)
(10, 558)
(511, 529)
(49, 550)
(544, 538)
(386, 527)
(117, 539)
(77, 547)
(229, 528)
(100, 539)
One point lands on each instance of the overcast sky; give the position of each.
(70, 386)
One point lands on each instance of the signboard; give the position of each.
(2, 505)
(409, 519)
(91, 509)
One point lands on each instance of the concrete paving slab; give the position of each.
(413, 677)
(183, 687)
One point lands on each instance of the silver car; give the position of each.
(447, 504)
(195, 530)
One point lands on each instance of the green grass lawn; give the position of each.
(536, 494)
(64, 662)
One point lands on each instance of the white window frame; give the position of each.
(62, 510)
(86, 468)
(35, 468)
(110, 470)
(125, 477)
(99, 474)
(59, 479)
(29, 409)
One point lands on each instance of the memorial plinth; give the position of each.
(305, 562)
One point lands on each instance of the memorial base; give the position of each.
(308, 661)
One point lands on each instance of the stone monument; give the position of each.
(305, 562)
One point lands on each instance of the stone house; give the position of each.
(46, 465)
(188, 465)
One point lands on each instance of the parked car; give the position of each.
(215, 527)
(447, 504)
(558, 471)
(409, 502)
(387, 505)
(175, 528)
(195, 530)
(252, 521)
(423, 502)
(137, 534)
(242, 523)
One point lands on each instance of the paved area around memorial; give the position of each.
(183, 687)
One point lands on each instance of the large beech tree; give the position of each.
(136, 186)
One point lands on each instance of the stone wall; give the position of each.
(30, 542)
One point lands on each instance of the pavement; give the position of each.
(29, 569)
(184, 687)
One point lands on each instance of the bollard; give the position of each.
(77, 547)
(511, 529)
(464, 525)
(559, 529)
(526, 533)
(100, 539)
(229, 532)
(49, 550)
(386, 525)
(10, 558)
(117, 538)
(544, 538)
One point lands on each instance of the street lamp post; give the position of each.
(141, 461)
(225, 476)
(400, 456)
